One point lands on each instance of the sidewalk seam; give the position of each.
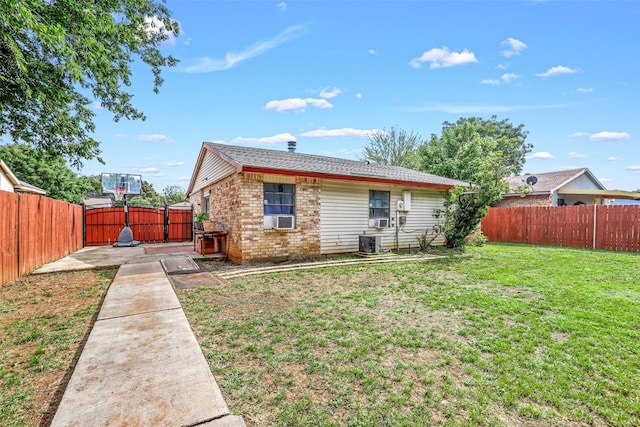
(136, 314)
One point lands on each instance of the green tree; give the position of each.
(139, 201)
(55, 55)
(467, 206)
(50, 173)
(457, 154)
(174, 194)
(93, 182)
(151, 195)
(394, 147)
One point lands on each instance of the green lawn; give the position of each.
(499, 335)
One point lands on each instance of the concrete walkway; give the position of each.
(107, 256)
(141, 365)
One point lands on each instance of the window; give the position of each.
(205, 206)
(279, 199)
(379, 204)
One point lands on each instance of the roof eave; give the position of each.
(203, 150)
(9, 173)
(345, 177)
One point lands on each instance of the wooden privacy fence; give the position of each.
(35, 230)
(149, 225)
(615, 228)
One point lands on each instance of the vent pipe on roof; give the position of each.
(292, 146)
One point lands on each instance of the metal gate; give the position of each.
(102, 225)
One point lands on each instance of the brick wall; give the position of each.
(237, 206)
(535, 200)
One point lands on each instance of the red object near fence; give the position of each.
(615, 227)
(35, 230)
(149, 225)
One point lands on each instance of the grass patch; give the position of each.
(43, 321)
(497, 335)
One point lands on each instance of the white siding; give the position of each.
(583, 182)
(213, 169)
(5, 184)
(344, 215)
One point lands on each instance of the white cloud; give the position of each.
(632, 168)
(481, 108)
(339, 133)
(613, 158)
(154, 137)
(502, 66)
(506, 78)
(585, 89)
(207, 65)
(359, 95)
(556, 71)
(269, 140)
(579, 134)
(541, 155)
(149, 170)
(606, 180)
(297, 104)
(440, 58)
(120, 135)
(174, 164)
(326, 93)
(156, 29)
(282, 6)
(574, 155)
(96, 105)
(609, 136)
(372, 52)
(515, 46)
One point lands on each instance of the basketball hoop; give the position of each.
(118, 193)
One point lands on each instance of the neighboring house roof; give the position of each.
(549, 182)
(19, 186)
(259, 160)
(180, 205)
(97, 201)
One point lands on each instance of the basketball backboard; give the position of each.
(119, 184)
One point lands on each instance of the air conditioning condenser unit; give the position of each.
(370, 244)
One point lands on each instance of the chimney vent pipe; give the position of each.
(292, 146)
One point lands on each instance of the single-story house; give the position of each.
(9, 182)
(282, 204)
(560, 188)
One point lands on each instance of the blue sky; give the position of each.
(326, 73)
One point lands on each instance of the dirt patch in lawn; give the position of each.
(44, 322)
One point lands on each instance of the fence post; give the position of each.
(166, 223)
(18, 217)
(84, 224)
(595, 222)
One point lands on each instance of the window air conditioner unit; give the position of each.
(285, 222)
(381, 223)
(370, 244)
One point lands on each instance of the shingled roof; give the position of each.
(263, 160)
(549, 182)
